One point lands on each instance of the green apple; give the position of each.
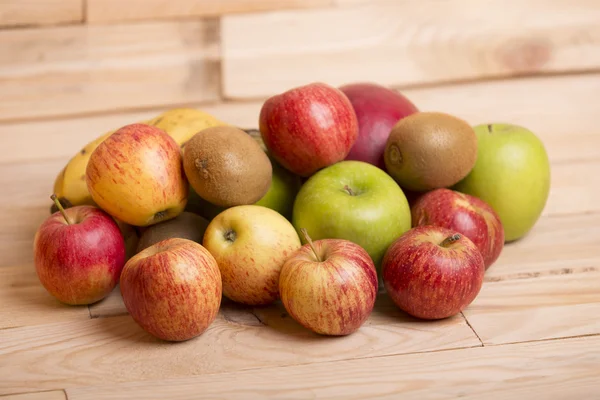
(280, 196)
(512, 174)
(356, 201)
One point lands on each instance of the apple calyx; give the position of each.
(449, 240)
(230, 235)
(60, 208)
(310, 243)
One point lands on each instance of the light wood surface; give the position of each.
(564, 369)
(81, 69)
(40, 12)
(108, 11)
(50, 395)
(72, 70)
(567, 128)
(407, 43)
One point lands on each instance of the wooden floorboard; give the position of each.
(548, 307)
(568, 129)
(407, 43)
(562, 369)
(102, 350)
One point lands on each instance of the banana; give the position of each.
(183, 123)
(180, 123)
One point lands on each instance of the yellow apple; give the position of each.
(136, 175)
(251, 243)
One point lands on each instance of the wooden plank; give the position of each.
(556, 245)
(49, 395)
(40, 12)
(78, 69)
(103, 350)
(535, 309)
(565, 369)
(575, 188)
(569, 129)
(407, 43)
(25, 302)
(103, 11)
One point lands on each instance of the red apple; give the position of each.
(432, 272)
(329, 286)
(377, 108)
(79, 254)
(172, 289)
(464, 214)
(308, 128)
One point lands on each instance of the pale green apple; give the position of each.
(356, 201)
(512, 175)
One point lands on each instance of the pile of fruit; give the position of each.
(341, 194)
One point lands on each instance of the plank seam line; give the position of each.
(444, 83)
(551, 339)
(470, 326)
(542, 274)
(35, 392)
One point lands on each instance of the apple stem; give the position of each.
(310, 243)
(61, 209)
(489, 128)
(449, 240)
(349, 190)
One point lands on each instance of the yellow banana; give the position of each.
(183, 123)
(180, 123)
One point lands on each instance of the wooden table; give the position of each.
(532, 333)
(534, 326)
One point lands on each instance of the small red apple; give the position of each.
(308, 128)
(329, 286)
(432, 272)
(172, 289)
(464, 214)
(377, 108)
(79, 254)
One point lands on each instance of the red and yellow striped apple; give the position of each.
(432, 272)
(136, 175)
(308, 127)
(79, 254)
(464, 214)
(172, 289)
(329, 286)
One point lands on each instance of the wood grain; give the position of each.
(50, 395)
(536, 309)
(25, 302)
(569, 129)
(40, 12)
(103, 11)
(552, 370)
(556, 245)
(80, 69)
(407, 43)
(102, 350)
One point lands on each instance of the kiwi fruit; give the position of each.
(226, 166)
(186, 225)
(430, 150)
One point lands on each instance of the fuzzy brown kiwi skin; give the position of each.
(430, 150)
(227, 167)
